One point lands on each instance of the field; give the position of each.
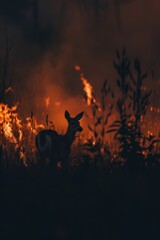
(110, 186)
(92, 203)
(79, 120)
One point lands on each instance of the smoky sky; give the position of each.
(50, 37)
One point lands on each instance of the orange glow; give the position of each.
(155, 109)
(77, 68)
(9, 120)
(47, 101)
(32, 125)
(144, 153)
(151, 108)
(57, 103)
(17, 135)
(87, 87)
(150, 134)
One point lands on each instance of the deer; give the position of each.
(55, 147)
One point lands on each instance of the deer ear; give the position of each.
(79, 116)
(67, 115)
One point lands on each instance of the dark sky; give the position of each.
(50, 37)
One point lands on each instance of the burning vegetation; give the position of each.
(133, 139)
(109, 171)
(17, 137)
(120, 129)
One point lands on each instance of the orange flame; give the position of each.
(87, 87)
(47, 101)
(32, 125)
(13, 132)
(8, 121)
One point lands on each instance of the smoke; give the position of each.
(76, 32)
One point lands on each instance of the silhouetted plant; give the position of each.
(140, 100)
(131, 106)
(99, 118)
(94, 151)
(121, 127)
(49, 124)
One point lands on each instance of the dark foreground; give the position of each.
(82, 205)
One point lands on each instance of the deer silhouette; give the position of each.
(55, 147)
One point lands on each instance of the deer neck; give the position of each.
(70, 136)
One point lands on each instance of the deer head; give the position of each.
(73, 123)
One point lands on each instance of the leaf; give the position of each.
(103, 103)
(90, 128)
(111, 130)
(116, 137)
(155, 141)
(102, 133)
(112, 94)
(144, 76)
(95, 134)
(106, 121)
(118, 125)
(137, 65)
(111, 107)
(148, 94)
(98, 121)
(117, 121)
(108, 115)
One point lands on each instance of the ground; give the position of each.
(82, 205)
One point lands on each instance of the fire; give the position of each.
(150, 134)
(47, 101)
(20, 134)
(154, 109)
(87, 87)
(17, 137)
(32, 125)
(8, 121)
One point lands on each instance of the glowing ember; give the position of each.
(77, 68)
(150, 134)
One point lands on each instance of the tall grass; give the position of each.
(133, 145)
